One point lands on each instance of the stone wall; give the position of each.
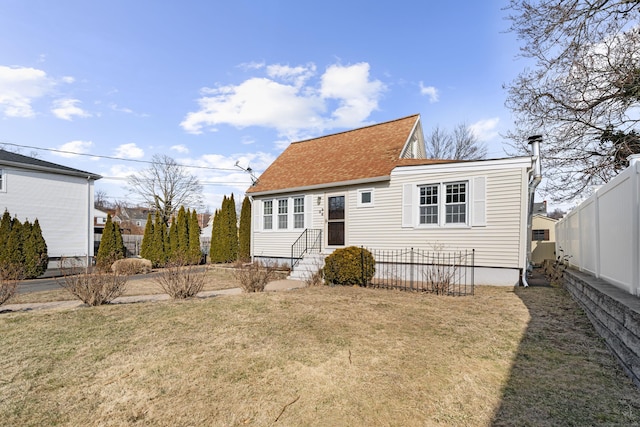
(614, 313)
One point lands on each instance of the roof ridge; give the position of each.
(356, 129)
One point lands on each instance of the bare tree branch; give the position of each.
(462, 144)
(583, 93)
(165, 186)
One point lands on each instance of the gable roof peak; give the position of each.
(366, 153)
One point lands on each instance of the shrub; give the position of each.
(253, 277)
(349, 266)
(92, 288)
(131, 266)
(181, 280)
(10, 276)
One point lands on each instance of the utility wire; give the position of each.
(111, 157)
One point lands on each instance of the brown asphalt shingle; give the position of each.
(368, 152)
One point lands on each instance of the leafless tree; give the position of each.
(101, 200)
(583, 91)
(165, 185)
(461, 144)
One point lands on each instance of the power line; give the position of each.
(112, 157)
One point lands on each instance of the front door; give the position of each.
(335, 221)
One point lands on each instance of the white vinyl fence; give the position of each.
(602, 235)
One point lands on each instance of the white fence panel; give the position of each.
(602, 235)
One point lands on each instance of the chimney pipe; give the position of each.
(534, 180)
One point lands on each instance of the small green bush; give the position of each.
(349, 266)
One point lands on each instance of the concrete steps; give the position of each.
(307, 266)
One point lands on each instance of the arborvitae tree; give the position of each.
(5, 229)
(23, 246)
(14, 247)
(244, 233)
(41, 250)
(214, 252)
(108, 249)
(121, 249)
(232, 230)
(195, 253)
(183, 234)
(158, 253)
(172, 249)
(147, 239)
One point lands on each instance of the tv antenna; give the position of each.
(248, 170)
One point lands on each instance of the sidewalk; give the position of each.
(276, 285)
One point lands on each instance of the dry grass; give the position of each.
(216, 278)
(316, 356)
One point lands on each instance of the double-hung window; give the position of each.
(283, 214)
(456, 203)
(429, 204)
(443, 203)
(268, 215)
(2, 180)
(298, 212)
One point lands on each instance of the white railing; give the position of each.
(601, 236)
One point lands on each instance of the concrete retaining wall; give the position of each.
(614, 313)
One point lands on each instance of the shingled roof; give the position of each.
(8, 158)
(367, 153)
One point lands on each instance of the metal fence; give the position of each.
(445, 273)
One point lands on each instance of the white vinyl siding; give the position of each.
(3, 181)
(62, 204)
(495, 226)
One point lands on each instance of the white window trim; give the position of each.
(360, 204)
(442, 205)
(3, 180)
(275, 214)
(263, 216)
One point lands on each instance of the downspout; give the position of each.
(90, 221)
(534, 179)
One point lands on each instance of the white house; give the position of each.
(374, 187)
(60, 197)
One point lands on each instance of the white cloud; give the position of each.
(73, 147)
(20, 87)
(289, 101)
(431, 92)
(486, 129)
(129, 151)
(66, 109)
(180, 148)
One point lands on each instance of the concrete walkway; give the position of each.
(276, 285)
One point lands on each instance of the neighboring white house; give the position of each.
(60, 197)
(375, 187)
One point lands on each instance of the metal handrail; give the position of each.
(309, 241)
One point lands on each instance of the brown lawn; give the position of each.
(327, 356)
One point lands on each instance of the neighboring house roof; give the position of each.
(363, 154)
(8, 158)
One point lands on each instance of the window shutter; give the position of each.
(479, 202)
(407, 206)
(308, 211)
(256, 213)
(546, 234)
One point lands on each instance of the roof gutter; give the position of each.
(319, 186)
(534, 179)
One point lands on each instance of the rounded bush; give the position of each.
(349, 266)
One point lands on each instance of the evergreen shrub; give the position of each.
(349, 266)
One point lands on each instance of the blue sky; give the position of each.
(210, 83)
